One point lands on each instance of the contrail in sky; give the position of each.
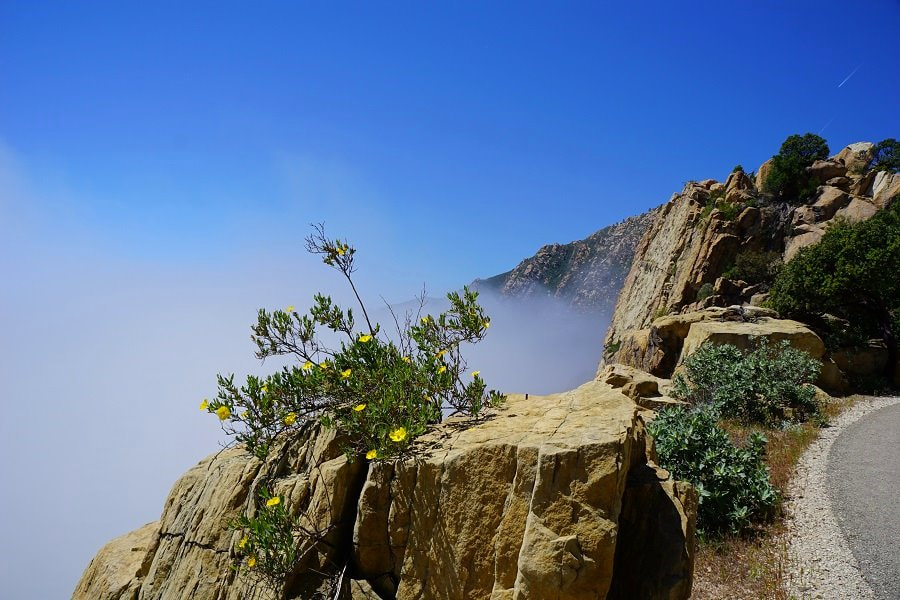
(826, 125)
(849, 76)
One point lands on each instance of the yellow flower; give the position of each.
(274, 501)
(341, 250)
(307, 366)
(426, 319)
(204, 405)
(442, 369)
(289, 309)
(243, 543)
(359, 407)
(290, 418)
(365, 338)
(405, 359)
(476, 373)
(251, 562)
(345, 374)
(440, 354)
(487, 324)
(265, 387)
(372, 454)
(224, 412)
(399, 434)
(325, 364)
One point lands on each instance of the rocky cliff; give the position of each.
(586, 274)
(682, 263)
(549, 497)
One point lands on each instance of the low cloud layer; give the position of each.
(105, 359)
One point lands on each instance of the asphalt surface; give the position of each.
(864, 486)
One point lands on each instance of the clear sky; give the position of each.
(160, 163)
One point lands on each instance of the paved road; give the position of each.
(864, 485)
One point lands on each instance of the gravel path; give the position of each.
(821, 561)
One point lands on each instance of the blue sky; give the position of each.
(160, 164)
(456, 139)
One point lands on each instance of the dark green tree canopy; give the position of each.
(886, 156)
(787, 179)
(806, 148)
(851, 273)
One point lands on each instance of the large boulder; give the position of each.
(763, 173)
(855, 156)
(521, 506)
(857, 210)
(539, 499)
(188, 554)
(885, 187)
(803, 237)
(830, 200)
(117, 570)
(866, 361)
(823, 170)
(657, 349)
(738, 186)
(744, 335)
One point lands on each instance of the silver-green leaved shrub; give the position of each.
(378, 392)
(769, 385)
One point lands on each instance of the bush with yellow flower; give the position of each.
(379, 392)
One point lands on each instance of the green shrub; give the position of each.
(268, 548)
(852, 274)
(738, 168)
(379, 393)
(886, 156)
(706, 290)
(766, 385)
(787, 179)
(755, 267)
(733, 483)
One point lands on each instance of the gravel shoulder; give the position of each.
(822, 563)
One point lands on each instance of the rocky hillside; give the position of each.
(701, 231)
(587, 274)
(552, 497)
(713, 238)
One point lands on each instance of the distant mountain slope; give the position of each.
(587, 274)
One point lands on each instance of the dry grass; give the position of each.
(755, 566)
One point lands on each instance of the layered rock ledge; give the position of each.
(550, 497)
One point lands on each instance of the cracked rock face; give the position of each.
(524, 505)
(536, 501)
(187, 554)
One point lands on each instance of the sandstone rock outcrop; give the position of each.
(662, 347)
(682, 264)
(550, 497)
(188, 553)
(421, 525)
(120, 566)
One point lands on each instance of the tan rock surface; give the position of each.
(855, 156)
(744, 335)
(823, 170)
(117, 569)
(525, 506)
(192, 548)
(885, 187)
(683, 249)
(858, 210)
